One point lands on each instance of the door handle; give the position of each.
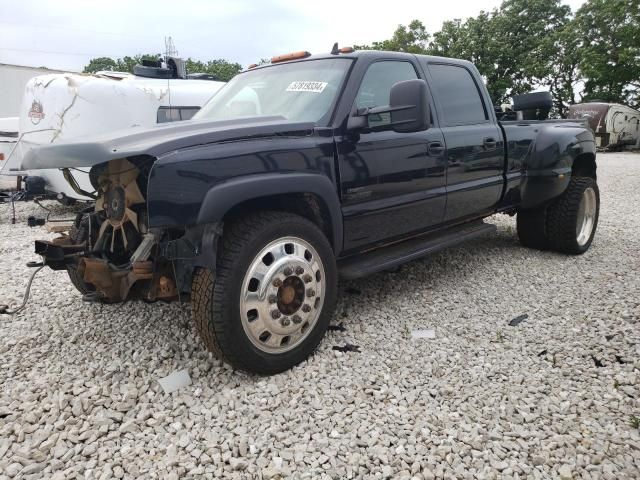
(435, 149)
(489, 143)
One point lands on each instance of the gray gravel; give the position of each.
(553, 397)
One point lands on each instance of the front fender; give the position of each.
(224, 196)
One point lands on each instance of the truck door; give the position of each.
(474, 143)
(391, 183)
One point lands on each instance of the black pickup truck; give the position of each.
(303, 170)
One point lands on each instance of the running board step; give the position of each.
(388, 257)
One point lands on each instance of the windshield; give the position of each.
(300, 92)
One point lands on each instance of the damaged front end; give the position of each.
(110, 252)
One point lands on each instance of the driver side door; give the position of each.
(392, 184)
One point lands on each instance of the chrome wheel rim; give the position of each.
(586, 216)
(282, 295)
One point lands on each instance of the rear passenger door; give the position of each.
(473, 140)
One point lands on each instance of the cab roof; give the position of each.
(368, 54)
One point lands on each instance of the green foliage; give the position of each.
(523, 45)
(528, 44)
(610, 57)
(124, 64)
(410, 39)
(101, 63)
(558, 66)
(220, 68)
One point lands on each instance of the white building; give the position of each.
(13, 79)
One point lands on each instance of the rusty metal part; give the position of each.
(63, 239)
(58, 226)
(143, 268)
(288, 294)
(166, 287)
(113, 284)
(59, 252)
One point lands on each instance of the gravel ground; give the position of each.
(553, 397)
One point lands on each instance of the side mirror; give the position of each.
(408, 110)
(409, 104)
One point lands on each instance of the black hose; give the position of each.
(5, 308)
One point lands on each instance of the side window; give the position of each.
(187, 112)
(458, 94)
(175, 114)
(376, 86)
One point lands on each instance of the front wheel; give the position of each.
(272, 296)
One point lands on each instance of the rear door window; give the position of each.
(458, 94)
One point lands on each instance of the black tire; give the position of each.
(563, 216)
(215, 299)
(531, 226)
(79, 233)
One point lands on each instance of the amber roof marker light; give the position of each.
(290, 56)
(335, 50)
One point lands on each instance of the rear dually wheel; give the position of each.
(566, 225)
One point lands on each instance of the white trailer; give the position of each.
(59, 107)
(615, 126)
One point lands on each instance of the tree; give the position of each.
(124, 64)
(100, 63)
(523, 53)
(221, 69)
(127, 63)
(560, 66)
(516, 47)
(610, 62)
(411, 39)
(474, 40)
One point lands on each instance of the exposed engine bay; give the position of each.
(110, 253)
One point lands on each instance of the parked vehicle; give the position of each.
(616, 126)
(311, 167)
(8, 136)
(62, 106)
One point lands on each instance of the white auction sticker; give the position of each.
(313, 87)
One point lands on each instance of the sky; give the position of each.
(65, 34)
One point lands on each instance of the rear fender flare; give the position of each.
(549, 166)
